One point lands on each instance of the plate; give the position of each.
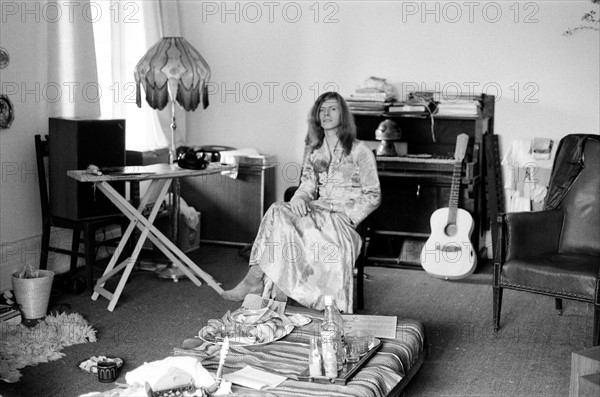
(89, 364)
(246, 328)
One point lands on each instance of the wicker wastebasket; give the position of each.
(33, 294)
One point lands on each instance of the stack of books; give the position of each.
(412, 108)
(373, 103)
(372, 97)
(8, 310)
(9, 314)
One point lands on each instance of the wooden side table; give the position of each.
(585, 373)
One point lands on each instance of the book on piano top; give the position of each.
(364, 112)
(412, 107)
(369, 108)
(370, 96)
(368, 105)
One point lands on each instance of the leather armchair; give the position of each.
(556, 251)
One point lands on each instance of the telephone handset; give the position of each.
(198, 158)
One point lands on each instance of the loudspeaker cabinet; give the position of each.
(74, 144)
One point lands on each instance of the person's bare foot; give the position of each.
(278, 294)
(251, 284)
(238, 293)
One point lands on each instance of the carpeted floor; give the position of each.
(530, 356)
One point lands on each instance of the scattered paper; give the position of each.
(254, 378)
(378, 326)
(299, 320)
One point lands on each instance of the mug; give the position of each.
(107, 371)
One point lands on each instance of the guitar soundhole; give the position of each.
(450, 229)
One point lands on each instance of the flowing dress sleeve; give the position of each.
(360, 207)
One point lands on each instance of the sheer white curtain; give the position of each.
(71, 68)
(120, 42)
(93, 47)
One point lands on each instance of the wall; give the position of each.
(31, 32)
(24, 81)
(268, 69)
(546, 84)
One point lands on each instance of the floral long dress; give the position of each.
(312, 256)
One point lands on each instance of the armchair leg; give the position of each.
(558, 305)
(360, 285)
(360, 276)
(497, 307)
(596, 334)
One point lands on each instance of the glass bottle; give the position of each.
(330, 362)
(314, 358)
(333, 328)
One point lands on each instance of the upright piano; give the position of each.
(416, 184)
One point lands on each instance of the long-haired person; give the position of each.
(307, 247)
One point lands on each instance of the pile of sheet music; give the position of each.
(458, 105)
(462, 108)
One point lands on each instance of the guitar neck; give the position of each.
(454, 192)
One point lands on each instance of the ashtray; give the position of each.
(90, 364)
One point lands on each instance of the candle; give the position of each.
(224, 351)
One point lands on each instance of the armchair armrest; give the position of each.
(528, 234)
(289, 193)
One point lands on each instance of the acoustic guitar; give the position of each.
(448, 252)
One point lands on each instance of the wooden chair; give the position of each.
(364, 231)
(556, 252)
(89, 227)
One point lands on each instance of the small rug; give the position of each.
(21, 346)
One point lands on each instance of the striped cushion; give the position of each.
(289, 357)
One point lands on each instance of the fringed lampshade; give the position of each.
(172, 70)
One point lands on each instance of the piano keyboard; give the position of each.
(416, 159)
(417, 164)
